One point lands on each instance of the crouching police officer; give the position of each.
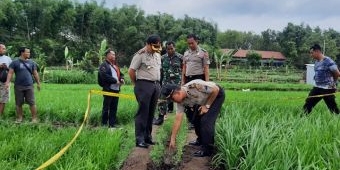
(210, 97)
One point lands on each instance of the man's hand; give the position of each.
(203, 109)
(38, 87)
(6, 85)
(172, 144)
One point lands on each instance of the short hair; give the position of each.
(153, 39)
(170, 43)
(22, 49)
(107, 51)
(315, 47)
(195, 37)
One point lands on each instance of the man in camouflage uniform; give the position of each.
(171, 72)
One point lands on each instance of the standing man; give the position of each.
(110, 78)
(144, 73)
(326, 77)
(195, 66)
(171, 73)
(24, 68)
(210, 97)
(5, 61)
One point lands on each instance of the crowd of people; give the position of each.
(162, 79)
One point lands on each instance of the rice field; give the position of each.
(256, 130)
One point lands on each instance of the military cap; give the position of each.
(168, 90)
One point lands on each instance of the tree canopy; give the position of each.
(49, 26)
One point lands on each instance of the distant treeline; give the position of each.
(48, 26)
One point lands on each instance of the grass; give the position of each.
(256, 130)
(266, 131)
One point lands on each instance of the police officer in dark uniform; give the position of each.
(144, 73)
(210, 97)
(195, 66)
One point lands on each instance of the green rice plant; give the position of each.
(268, 132)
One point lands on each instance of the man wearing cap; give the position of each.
(210, 97)
(144, 73)
(195, 66)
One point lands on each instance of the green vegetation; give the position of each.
(260, 128)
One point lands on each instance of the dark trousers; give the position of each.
(147, 94)
(109, 111)
(329, 100)
(205, 124)
(192, 111)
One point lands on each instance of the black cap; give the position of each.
(153, 39)
(168, 90)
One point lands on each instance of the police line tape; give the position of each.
(99, 92)
(63, 150)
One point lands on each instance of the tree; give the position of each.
(253, 58)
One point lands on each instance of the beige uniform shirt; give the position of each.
(195, 61)
(198, 92)
(147, 65)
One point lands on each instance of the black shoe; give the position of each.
(142, 145)
(195, 143)
(150, 142)
(158, 121)
(201, 154)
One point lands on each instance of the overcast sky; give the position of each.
(245, 15)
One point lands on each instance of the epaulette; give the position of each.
(204, 50)
(141, 51)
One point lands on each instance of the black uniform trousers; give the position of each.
(109, 110)
(205, 123)
(147, 93)
(329, 100)
(192, 111)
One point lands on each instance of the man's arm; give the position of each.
(37, 79)
(132, 74)
(9, 77)
(175, 128)
(184, 68)
(206, 72)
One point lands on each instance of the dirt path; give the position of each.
(139, 157)
(190, 162)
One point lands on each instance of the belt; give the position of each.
(155, 82)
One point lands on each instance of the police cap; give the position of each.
(168, 90)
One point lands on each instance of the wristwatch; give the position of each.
(207, 106)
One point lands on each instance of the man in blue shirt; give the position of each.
(326, 76)
(24, 69)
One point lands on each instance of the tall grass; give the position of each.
(268, 132)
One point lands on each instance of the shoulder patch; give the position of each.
(141, 51)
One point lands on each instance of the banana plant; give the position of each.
(101, 52)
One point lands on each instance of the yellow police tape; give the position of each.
(99, 92)
(63, 150)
